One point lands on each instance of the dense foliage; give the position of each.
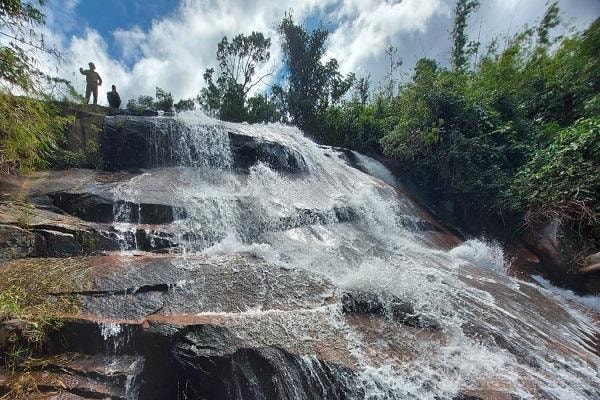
(163, 101)
(30, 126)
(312, 86)
(30, 131)
(512, 139)
(238, 62)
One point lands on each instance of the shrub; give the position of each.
(30, 131)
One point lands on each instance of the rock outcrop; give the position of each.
(591, 264)
(30, 231)
(228, 261)
(543, 241)
(131, 143)
(230, 326)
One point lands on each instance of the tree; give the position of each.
(460, 51)
(185, 105)
(19, 19)
(262, 109)
(395, 63)
(311, 84)
(362, 88)
(239, 58)
(549, 21)
(141, 104)
(238, 61)
(164, 100)
(30, 128)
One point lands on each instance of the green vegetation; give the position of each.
(30, 130)
(514, 138)
(238, 60)
(30, 127)
(25, 294)
(312, 86)
(163, 101)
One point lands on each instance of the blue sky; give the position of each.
(106, 16)
(141, 44)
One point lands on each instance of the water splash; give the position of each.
(110, 330)
(350, 226)
(482, 253)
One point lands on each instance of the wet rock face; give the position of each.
(215, 372)
(125, 143)
(150, 327)
(387, 306)
(30, 231)
(543, 241)
(96, 208)
(130, 143)
(79, 376)
(158, 286)
(162, 327)
(16, 242)
(248, 151)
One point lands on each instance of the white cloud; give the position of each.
(130, 41)
(174, 52)
(367, 28)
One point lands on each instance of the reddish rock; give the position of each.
(542, 240)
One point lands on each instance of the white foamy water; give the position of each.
(592, 302)
(110, 330)
(357, 230)
(481, 253)
(375, 168)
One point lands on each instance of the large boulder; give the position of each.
(16, 242)
(93, 207)
(543, 240)
(591, 264)
(248, 151)
(72, 376)
(27, 230)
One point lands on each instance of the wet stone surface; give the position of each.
(132, 143)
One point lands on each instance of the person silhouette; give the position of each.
(93, 80)
(114, 100)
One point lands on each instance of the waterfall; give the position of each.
(352, 226)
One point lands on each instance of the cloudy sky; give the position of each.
(140, 44)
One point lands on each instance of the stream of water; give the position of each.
(351, 225)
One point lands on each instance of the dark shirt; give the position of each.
(114, 100)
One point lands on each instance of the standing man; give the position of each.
(93, 80)
(114, 100)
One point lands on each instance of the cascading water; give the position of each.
(360, 232)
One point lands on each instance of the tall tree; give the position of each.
(395, 62)
(460, 46)
(238, 60)
(550, 20)
(362, 88)
(185, 105)
(164, 100)
(312, 85)
(16, 20)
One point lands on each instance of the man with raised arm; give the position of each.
(93, 80)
